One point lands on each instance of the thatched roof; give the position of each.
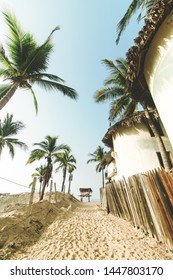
(83, 190)
(135, 81)
(107, 159)
(138, 117)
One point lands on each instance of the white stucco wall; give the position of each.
(158, 70)
(111, 168)
(135, 150)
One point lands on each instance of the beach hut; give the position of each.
(85, 192)
(133, 147)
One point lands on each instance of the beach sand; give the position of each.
(77, 231)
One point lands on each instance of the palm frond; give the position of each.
(118, 107)
(37, 76)
(126, 18)
(36, 154)
(108, 94)
(4, 89)
(19, 42)
(38, 58)
(50, 85)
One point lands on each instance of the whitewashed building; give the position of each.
(151, 62)
(133, 147)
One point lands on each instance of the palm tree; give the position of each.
(70, 178)
(122, 104)
(40, 173)
(25, 64)
(47, 149)
(65, 161)
(143, 5)
(97, 157)
(9, 128)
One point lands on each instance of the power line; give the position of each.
(14, 182)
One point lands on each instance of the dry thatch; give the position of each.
(138, 117)
(135, 81)
(107, 159)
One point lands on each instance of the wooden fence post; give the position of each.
(28, 214)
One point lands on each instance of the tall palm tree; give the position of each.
(47, 149)
(65, 161)
(122, 104)
(24, 63)
(8, 129)
(70, 178)
(40, 173)
(97, 156)
(144, 6)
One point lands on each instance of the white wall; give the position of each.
(159, 73)
(135, 150)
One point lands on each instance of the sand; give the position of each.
(80, 231)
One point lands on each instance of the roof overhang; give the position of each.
(138, 117)
(135, 80)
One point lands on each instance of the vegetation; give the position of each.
(40, 173)
(97, 157)
(8, 129)
(143, 6)
(122, 104)
(70, 178)
(66, 162)
(24, 63)
(47, 149)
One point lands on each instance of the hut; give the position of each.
(133, 147)
(85, 192)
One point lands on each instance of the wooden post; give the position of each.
(28, 214)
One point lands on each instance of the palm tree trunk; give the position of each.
(47, 176)
(63, 182)
(165, 157)
(9, 94)
(69, 186)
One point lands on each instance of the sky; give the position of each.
(87, 35)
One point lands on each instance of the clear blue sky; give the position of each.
(87, 35)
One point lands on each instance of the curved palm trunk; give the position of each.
(166, 160)
(69, 186)
(9, 94)
(63, 182)
(47, 177)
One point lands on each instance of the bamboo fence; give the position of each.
(146, 200)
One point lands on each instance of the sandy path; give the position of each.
(90, 234)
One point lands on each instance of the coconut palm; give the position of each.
(122, 104)
(47, 149)
(40, 173)
(8, 129)
(70, 178)
(24, 63)
(97, 157)
(143, 6)
(65, 160)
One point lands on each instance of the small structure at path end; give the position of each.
(85, 192)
